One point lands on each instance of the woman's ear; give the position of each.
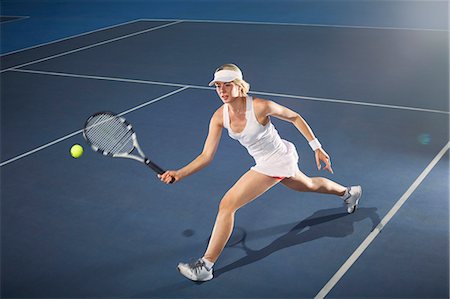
(236, 92)
(241, 91)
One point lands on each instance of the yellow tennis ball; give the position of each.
(76, 151)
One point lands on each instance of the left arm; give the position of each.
(269, 108)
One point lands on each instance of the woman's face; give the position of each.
(227, 91)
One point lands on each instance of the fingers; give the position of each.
(326, 159)
(168, 177)
(328, 167)
(322, 157)
(317, 156)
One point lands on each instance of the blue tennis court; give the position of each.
(375, 90)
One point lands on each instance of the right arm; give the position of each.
(207, 155)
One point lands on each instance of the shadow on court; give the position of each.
(332, 223)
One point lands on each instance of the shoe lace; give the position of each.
(197, 265)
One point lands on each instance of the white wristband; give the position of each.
(315, 144)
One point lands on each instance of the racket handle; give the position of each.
(156, 168)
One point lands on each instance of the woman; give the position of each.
(247, 120)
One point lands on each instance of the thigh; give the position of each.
(299, 182)
(251, 185)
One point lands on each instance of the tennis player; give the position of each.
(247, 120)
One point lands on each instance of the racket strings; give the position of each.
(114, 136)
(113, 139)
(117, 134)
(109, 134)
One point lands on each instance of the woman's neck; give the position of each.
(237, 106)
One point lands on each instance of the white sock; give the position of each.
(208, 264)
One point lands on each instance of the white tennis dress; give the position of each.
(273, 156)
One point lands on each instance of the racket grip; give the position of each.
(156, 168)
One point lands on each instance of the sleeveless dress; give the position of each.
(273, 156)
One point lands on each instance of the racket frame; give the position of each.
(141, 158)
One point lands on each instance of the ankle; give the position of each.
(208, 263)
(345, 193)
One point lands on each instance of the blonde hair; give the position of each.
(243, 85)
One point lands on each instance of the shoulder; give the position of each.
(266, 108)
(217, 117)
(259, 101)
(261, 106)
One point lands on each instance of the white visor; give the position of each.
(225, 76)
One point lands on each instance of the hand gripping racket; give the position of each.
(111, 135)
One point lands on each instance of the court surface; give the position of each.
(99, 227)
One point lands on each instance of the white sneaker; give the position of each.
(352, 201)
(196, 271)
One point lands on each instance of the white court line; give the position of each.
(353, 102)
(91, 46)
(228, 22)
(81, 131)
(19, 18)
(67, 38)
(340, 101)
(297, 24)
(102, 78)
(361, 248)
(11, 16)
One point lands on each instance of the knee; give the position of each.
(311, 185)
(227, 205)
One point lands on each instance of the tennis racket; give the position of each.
(111, 135)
